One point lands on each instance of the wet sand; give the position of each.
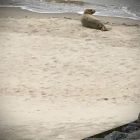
(62, 81)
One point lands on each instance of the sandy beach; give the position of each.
(62, 81)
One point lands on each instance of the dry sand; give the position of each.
(62, 81)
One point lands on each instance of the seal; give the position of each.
(90, 21)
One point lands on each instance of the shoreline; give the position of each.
(43, 12)
(62, 81)
(6, 12)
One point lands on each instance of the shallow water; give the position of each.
(118, 8)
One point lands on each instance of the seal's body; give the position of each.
(90, 21)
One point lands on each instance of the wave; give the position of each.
(111, 11)
(125, 9)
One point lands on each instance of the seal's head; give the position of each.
(89, 11)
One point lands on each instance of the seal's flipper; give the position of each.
(104, 28)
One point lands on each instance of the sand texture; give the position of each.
(62, 81)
